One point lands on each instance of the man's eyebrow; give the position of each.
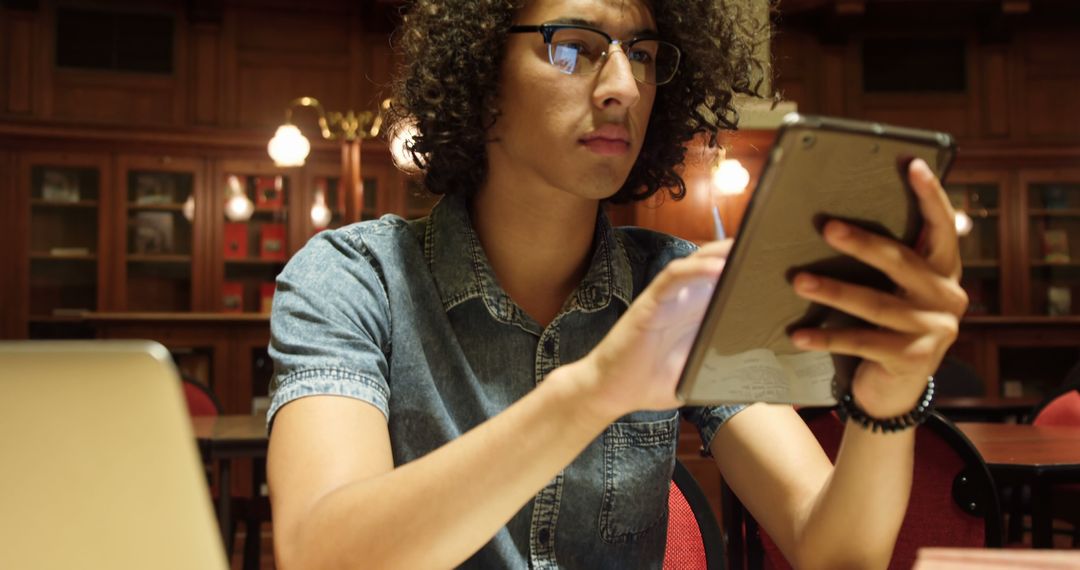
(592, 24)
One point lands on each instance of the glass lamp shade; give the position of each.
(238, 207)
(189, 208)
(320, 214)
(730, 177)
(289, 147)
(964, 224)
(402, 157)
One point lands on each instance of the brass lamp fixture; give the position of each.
(290, 148)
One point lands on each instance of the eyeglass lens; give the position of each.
(579, 51)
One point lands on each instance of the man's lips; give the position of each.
(608, 140)
(609, 133)
(607, 147)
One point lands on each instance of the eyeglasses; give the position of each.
(581, 50)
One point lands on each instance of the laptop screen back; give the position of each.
(100, 465)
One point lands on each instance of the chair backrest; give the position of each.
(1061, 410)
(693, 537)
(1061, 407)
(953, 501)
(200, 400)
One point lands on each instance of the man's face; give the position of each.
(578, 134)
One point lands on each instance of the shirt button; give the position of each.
(544, 536)
(549, 346)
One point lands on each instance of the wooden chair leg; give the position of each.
(253, 544)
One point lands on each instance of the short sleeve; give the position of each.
(330, 324)
(709, 420)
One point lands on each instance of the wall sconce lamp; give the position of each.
(730, 177)
(290, 148)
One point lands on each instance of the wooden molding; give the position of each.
(1015, 6)
(850, 7)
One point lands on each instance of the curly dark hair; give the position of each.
(449, 82)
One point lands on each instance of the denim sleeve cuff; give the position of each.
(709, 420)
(328, 382)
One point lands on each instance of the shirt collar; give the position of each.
(461, 269)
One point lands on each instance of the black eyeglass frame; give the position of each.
(548, 32)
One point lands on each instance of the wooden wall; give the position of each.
(236, 65)
(1023, 71)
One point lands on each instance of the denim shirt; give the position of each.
(408, 316)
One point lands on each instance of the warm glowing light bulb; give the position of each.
(289, 147)
(320, 214)
(964, 224)
(403, 136)
(189, 208)
(730, 177)
(238, 207)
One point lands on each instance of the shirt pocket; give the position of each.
(639, 455)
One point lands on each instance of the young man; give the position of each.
(493, 386)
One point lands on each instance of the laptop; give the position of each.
(100, 467)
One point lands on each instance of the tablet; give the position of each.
(819, 168)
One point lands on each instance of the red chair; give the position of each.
(200, 400)
(253, 511)
(1061, 408)
(693, 537)
(953, 498)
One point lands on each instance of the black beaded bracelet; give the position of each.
(846, 407)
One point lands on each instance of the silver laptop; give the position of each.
(100, 468)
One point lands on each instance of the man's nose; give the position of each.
(616, 84)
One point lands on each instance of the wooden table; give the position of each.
(986, 409)
(1039, 456)
(224, 438)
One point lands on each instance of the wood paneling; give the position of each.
(266, 85)
(11, 255)
(98, 97)
(1052, 81)
(292, 31)
(994, 90)
(205, 82)
(18, 44)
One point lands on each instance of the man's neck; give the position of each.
(539, 244)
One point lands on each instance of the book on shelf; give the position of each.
(232, 297)
(1055, 197)
(68, 251)
(69, 312)
(60, 186)
(1058, 301)
(154, 189)
(236, 240)
(1055, 246)
(153, 232)
(269, 191)
(266, 296)
(272, 241)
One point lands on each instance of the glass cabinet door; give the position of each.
(255, 237)
(1053, 232)
(978, 207)
(65, 214)
(159, 209)
(324, 195)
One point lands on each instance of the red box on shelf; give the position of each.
(236, 240)
(269, 191)
(266, 296)
(272, 242)
(232, 297)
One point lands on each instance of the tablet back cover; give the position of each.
(819, 169)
